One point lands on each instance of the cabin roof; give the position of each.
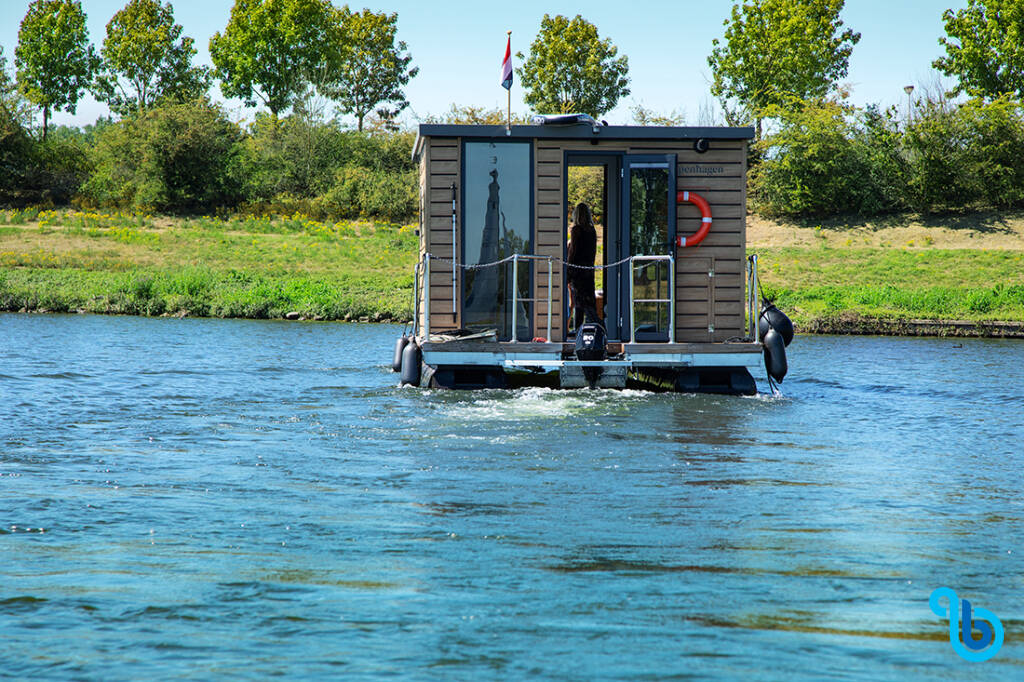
(579, 131)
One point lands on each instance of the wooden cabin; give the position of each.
(488, 192)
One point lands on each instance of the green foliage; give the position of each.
(272, 49)
(175, 157)
(935, 145)
(586, 184)
(301, 164)
(643, 116)
(826, 160)
(146, 60)
(364, 192)
(778, 50)
(47, 172)
(572, 70)
(373, 68)
(296, 155)
(811, 165)
(985, 49)
(877, 141)
(252, 267)
(995, 141)
(470, 115)
(54, 58)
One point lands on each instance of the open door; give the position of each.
(648, 192)
(593, 177)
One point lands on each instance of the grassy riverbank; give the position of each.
(845, 275)
(834, 277)
(246, 267)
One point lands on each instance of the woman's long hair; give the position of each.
(581, 215)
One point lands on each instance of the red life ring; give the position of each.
(700, 202)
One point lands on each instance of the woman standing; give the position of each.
(582, 252)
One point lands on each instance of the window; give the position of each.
(496, 223)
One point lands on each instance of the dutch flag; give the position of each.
(506, 66)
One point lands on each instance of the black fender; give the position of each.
(396, 360)
(412, 360)
(775, 355)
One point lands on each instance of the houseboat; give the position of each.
(677, 296)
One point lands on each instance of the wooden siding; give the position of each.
(718, 175)
(703, 301)
(439, 168)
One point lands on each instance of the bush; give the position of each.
(995, 150)
(34, 172)
(299, 164)
(823, 160)
(363, 192)
(877, 142)
(293, 156)
(173, 158)
(935, 145)
(811, 165)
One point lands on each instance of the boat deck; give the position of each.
(551, 356)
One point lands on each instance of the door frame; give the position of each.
(630, 161)
(612, 162)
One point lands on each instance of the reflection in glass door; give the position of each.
(650, 225)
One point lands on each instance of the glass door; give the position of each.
(649, 229)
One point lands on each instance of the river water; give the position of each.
(220, 498)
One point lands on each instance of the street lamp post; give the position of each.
(910, 111)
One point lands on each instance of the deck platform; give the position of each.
(683, 366)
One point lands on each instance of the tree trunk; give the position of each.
(46, 120)
(757, 137)
(360, 124)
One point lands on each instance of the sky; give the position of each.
(458, 46)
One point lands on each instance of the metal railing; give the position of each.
(671, 300)
(424, 267)
(515, 293)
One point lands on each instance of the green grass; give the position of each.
(268, 267)
(940, 284)
(245, 267)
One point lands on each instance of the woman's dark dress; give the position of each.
(582, 251)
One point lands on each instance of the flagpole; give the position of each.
(508, 125)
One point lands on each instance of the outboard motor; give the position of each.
(775, 331)
(590, 346)
(590, 342)
(396, 360)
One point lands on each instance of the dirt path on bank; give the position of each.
(987, 230)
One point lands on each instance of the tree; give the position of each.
(571, 70)
(272, 50)
(172, 157)
(776, 51)
(373, 69)
(986, 48)
(643, 116)
(470, 115)
(54, 58)
(145, 59)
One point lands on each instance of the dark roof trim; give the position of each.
(580, 132)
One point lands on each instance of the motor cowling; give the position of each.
(590, 342)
